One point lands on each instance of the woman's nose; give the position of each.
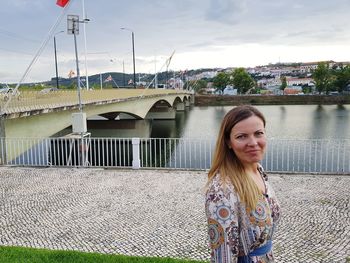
(252, 141)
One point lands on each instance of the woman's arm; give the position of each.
(221, 211)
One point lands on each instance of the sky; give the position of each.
(203, 34)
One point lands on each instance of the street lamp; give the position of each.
(133, 51)
(54, 45)
(73, 28)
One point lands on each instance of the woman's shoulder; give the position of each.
(218, 184)
(221, 192)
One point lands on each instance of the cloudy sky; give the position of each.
(203, 33)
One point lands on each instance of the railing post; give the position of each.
(136, 153)
(3, 147)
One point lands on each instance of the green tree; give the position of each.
(306, 89)
(341, 78)
(284, 83)
(242, 80)
(323, 77)
(200, 84)
(221, 80)
(196, 85)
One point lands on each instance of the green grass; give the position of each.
(31, 255)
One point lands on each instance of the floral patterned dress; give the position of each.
(233, 229)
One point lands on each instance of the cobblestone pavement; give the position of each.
(161, 213)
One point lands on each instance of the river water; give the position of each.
(283, 122)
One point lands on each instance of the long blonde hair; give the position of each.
(226, 162)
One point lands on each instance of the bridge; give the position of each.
(42, 114)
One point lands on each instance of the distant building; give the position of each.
(230, 90)
(293, 90)
(300, 81)
(275, 89)
(176, 83)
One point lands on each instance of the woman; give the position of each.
(241, 206)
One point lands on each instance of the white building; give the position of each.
(300, 81)
(230, 90)
(175, 84)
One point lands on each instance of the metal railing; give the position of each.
(283, 155)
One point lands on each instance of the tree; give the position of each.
(284, 83)
(196, 85)
(242, 80)
(323, 77)
(306, 89)
(341, 78)
(221, 80)
(200, 85)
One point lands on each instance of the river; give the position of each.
(283, 122)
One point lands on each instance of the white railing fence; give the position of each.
(283, 155)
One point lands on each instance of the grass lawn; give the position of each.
(31, 255)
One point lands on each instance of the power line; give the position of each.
(16, 52)
(16, 36)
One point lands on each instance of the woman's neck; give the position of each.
(251, 168)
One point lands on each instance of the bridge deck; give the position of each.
(36, 100)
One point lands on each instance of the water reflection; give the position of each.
(170, 128)
(283, 114)
(341, 125)
(319, 120)
(290, 121)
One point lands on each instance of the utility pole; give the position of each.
(54, 46)
(133, 51)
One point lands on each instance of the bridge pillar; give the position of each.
(161, 113)
(187, 103)
(192, 99)
(180, 106)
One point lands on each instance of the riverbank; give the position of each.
(227, 100)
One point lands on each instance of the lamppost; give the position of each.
(133, 51)
(73, 28)
(54, 45)
(123, 75)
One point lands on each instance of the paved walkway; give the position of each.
(161, 213)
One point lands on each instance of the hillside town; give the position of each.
(272, 79)
(268, 79)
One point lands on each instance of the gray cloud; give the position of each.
(226, 11)
(161, 26)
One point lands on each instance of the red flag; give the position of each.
(109, 78)
(62, 3)
(71, 74)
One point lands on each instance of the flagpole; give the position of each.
(84, 28)
(155, 73)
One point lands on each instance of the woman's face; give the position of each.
(248, 140)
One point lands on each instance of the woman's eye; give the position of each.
(260, 133)
(241, 136)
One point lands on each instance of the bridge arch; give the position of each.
(138, 108)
